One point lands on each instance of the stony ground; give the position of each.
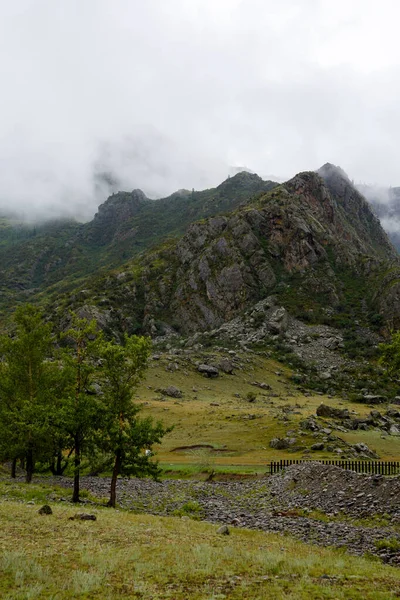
(357, 512)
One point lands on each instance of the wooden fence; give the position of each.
(376, 467)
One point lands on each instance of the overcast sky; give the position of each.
(166, 94)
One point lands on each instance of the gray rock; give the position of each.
(325, 375)
(226, 366)
(392, 412)
(333, 343)
(364, 449)
(394, 430)
(278, 321)
(172, 392)
(208, 370)
(319, 446)
(324, 410)
(223, 530)
(280, 443)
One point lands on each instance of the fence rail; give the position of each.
(373, 467)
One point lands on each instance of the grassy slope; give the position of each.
(122, 555)
(237, 440)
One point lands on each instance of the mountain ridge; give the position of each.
(313, 242)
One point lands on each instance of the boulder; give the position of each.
(223, 530)
(226, 366)
(278, 321)
(393, 413)
(324, 375)
(208, 370)
(362, 448)
(310, 425)
(282, 443)
(375, 414)
(318, 446)
(333, 343)
(324, 410)
(172, 392)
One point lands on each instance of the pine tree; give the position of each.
(124, 435)
(80, 407)
(28, 382)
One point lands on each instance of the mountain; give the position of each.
(54, 257)
(313, 243)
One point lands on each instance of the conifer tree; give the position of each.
(124, 435)
(28, 382)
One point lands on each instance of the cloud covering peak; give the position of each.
(169, 94)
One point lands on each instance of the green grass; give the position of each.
(210, 412)
(122, 555)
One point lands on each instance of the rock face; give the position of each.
(113, 215)
(310, 242)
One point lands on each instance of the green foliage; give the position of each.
(123, 433)
(390, 354)
(28, 383)
(190, 509)
(79, 411)
(391, 544)
(81, 402)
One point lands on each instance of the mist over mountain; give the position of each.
(385, 202)
(111, 96)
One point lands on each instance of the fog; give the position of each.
(100, 95)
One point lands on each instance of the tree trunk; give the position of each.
(60, 468)
(29, 465)
(14, 468)
(116, 470)
(77, 464)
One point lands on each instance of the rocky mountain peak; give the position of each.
(116, 211)
(328, 171)
(239, 182)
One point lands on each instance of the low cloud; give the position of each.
(164, 95)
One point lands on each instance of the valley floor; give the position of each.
(125, 555)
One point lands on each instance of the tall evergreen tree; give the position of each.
(124, 435)
(28, 382)
(80, 408)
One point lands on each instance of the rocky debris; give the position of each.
(309, 424)
(172, 366)
(171, 391)
(324, 410)
(83, 517)
(208, 370)
(278, 321)
(279, 503)
(333, 343)
(365, 450)
(45, 510)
